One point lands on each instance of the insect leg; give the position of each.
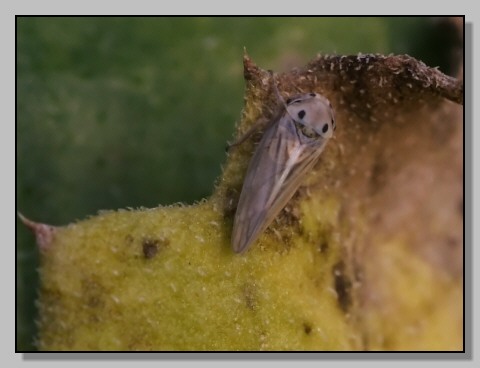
(277, 92)
(259, 125)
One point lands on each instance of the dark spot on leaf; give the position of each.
(307, 328)
(150, 248)
(290, 214)
(323, 247)
(343, 286)
(301, 114)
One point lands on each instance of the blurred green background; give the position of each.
(131, 112)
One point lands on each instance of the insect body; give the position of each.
(289, 148)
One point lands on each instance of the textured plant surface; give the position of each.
(129, 112)
(366, 256)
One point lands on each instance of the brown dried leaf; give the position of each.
(396, 167)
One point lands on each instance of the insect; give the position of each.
(290, 146)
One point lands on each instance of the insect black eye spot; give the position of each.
(312, 94)
(301, 114)
(325, 128)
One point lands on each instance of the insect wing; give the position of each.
(276, 170)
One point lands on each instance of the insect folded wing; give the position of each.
(274, 174)
(289, 148)
(256, 190)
